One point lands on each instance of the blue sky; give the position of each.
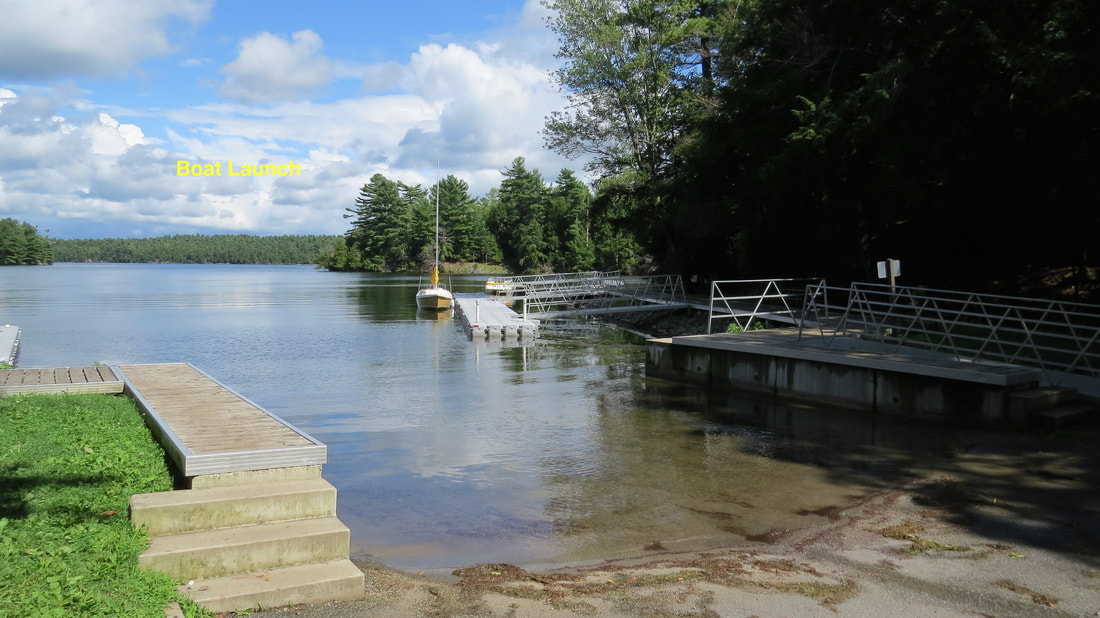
(99, 100)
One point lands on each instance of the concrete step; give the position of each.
(244, 549)
(177, 512)
(1064, 415)
(338, 580)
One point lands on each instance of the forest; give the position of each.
(21, 245)
(744, 138)
(196, 249)
(526, 224)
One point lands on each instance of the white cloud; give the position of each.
(59, 38)
(491, 107)
(110, 137)
(471, 107)
(271, 68)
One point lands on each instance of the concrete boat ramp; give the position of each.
(867, 376)
(486, 317)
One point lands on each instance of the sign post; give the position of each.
(890, 268)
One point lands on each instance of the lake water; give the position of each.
(448, 452)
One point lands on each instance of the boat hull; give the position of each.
(436, 299)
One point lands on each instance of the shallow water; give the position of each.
(448, 452)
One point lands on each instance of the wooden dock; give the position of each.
(97, 379)
(484, 316)
(207, 428)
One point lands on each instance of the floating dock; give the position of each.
(486, 317)
(9, 343)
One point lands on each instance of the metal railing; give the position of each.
(1059, 338)
(519, 284)
(747, 300)
(599, 292)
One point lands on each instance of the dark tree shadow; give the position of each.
(1040, 489)
(14, 487)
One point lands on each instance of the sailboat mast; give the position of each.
(437, 187)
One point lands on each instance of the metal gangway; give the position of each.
(1060, 338)
(596, 292)
(746, 303)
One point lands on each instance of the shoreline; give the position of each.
(928, 546)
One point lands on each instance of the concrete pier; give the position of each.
(852, 373)
(486, 317)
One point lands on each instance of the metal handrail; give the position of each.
(727, 303)
(1059, 338)
(599, 292)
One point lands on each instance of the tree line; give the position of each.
(197, 249)
(21, 245)
(769, 138)
(814, 137)
(526, 224)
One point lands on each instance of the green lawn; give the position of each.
(68, 466)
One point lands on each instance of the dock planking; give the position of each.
(90, 379)
(207, 428)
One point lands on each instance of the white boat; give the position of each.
(499, 287)
(435, 296)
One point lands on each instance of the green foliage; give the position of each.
(525, 224)
(382, 226)
(629, 70)
(793, 136)
(638, 74)
(394, 227)
(67, 470)
(518, 217)
(197, 249)
(20, 245)
(734, 327)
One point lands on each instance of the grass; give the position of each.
(68, 466)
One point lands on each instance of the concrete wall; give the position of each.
(871, 389)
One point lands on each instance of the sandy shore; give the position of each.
(934, 546)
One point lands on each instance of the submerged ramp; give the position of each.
(207, 428)
(484, 316)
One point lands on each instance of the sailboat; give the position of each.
(435, 296)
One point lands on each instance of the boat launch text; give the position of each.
(186, 168)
